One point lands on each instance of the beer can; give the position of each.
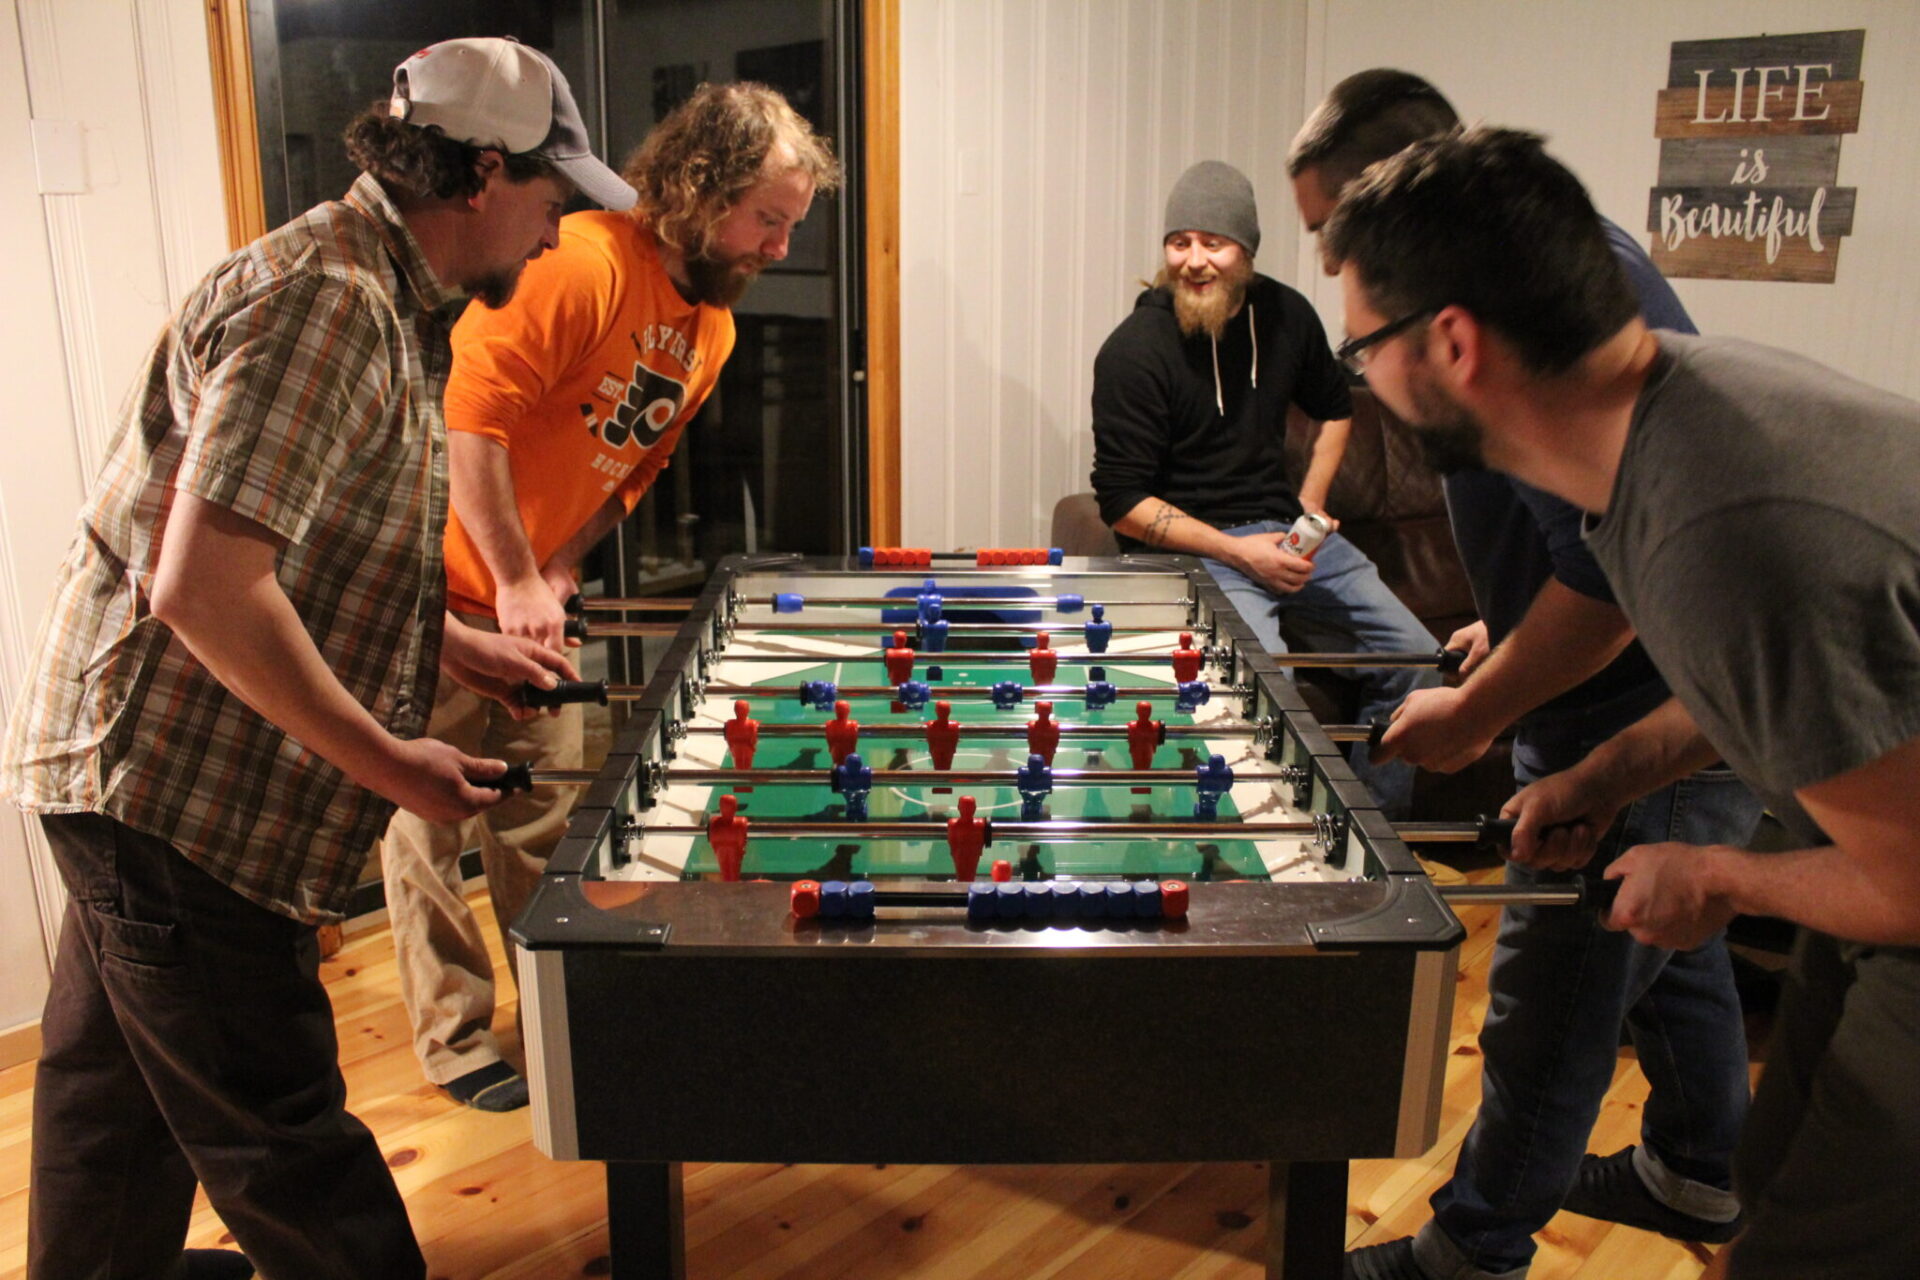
(1308, 532)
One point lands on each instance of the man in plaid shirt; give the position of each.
(233, 680)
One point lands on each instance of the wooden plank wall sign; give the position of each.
(1749, 135)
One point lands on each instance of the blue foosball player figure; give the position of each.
(1191, 695)
(1099, 630)
(1035, 781)
(929, 600)
(933, 630)
(1100, 691)
(1008, 693)
(818, 694)
(853, 779)
(1211, 781)
(913, 694)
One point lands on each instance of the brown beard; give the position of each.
(1451, 439)
(496, 288)
(1207, 313)
(721, 284)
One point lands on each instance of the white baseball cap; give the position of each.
(496, 92)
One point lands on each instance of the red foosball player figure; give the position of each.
(843, 735)
(943, 735)
(727, 833)
(1041, 660)
(1186, 660)
(966, 837)
(1043, 732)
(1144, 734)
(899, 660)
(743, 736)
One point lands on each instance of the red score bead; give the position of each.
(1173, 899)
(805, 899)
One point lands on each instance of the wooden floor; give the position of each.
(485, 1203)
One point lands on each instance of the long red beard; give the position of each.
(1209, 312)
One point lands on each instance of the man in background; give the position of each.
(1190, 399)
(563, 409)
(1566, 673)
(231, 682)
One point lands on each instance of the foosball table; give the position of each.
(971, 862)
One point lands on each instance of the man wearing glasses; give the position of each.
(1757, 518)
(1566, 673)
(1190, 398)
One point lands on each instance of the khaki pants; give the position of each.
(446, 976)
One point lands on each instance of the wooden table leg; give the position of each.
(1306, 1219)
(646, 1234)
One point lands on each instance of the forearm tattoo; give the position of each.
(1158, 529)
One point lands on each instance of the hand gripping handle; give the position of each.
(565, 691)
(518, 777)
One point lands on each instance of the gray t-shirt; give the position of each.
(1764, 537)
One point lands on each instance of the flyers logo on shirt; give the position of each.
(651, 403)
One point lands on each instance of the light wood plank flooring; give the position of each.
(487, 1204)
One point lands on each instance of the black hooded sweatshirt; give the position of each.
(1165, 426)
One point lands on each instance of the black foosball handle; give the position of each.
(574, 606)
(575, 628)
(1450, 660)
(518, 777)
(566, 691)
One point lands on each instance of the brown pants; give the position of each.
(446, 975)
(187, 1039)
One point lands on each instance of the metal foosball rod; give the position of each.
(1445, 659)
(702, 777)
(1015, 732)
(1486, 831)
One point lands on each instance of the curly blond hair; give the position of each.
(710, 150)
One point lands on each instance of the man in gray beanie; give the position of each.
(1190, 397)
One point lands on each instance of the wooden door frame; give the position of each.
(880, 42)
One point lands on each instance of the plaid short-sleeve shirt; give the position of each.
(299, 386)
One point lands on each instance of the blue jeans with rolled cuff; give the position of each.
(1559, 989)
(1344, 608)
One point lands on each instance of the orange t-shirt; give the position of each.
(587, 377)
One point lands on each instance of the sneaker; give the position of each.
(494, 1087)
(1608, 1188)
(1393, 1260)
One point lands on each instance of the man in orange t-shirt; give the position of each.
(562, 409)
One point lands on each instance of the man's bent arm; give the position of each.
(480, 478)
(214, 586)
(1866, 884)
(1565, 638)
(480, 483)
(1165, 527)
(1328, 450)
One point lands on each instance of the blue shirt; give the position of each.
(1513, 538)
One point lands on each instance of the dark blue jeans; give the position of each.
(1344, 608)
(1559, 989)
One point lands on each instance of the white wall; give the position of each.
(1039, 140)
(91, 276)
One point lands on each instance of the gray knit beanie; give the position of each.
(1215, 197)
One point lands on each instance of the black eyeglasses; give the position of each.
(1353, 352)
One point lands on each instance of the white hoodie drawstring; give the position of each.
(1253, 334)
